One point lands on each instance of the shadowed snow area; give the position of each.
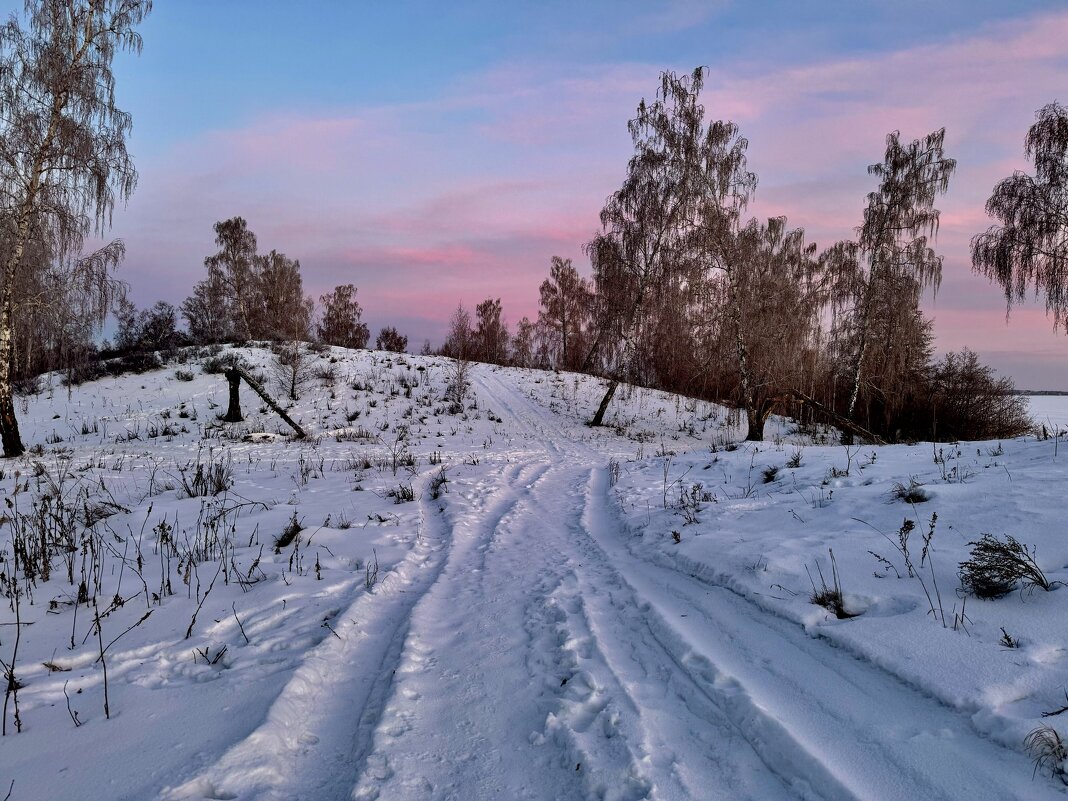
(498, 602)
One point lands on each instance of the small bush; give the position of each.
(202, 479)
(218, 364)
(289, 533)
(794, 461)
(963, 399)
(370, 573)
(137, 363)
(81, 373)
(913, 492)
(770, 474)
(183, 375)
(402, 494)
(996, 566)
(438, 484)
(325, 373)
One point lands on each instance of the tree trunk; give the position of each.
(757, 418)
(233, 410)
(598, 419)
(9, 426)
(259, 390)
(862, 348)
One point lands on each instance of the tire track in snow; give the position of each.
(809, 707)
(623, 708)
(642, 726)
(458, 722)
(321, 723)
(830, 724)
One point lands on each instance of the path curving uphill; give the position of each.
(524, 651)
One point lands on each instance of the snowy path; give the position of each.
(522, 652)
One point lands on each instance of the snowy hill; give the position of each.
(495, 601)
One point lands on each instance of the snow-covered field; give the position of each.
(506, 604)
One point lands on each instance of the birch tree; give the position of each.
(389, 338)
(460, 339)
(237, 266)
(207, 310)
(281, 310)
(645, 222)
(63, 157)
(565, 306)
(899, 217)
(523, 343)
(491, 333)
(341, 324)
(771, 288)
(1028, 248)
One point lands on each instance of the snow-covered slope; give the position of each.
(532, 629)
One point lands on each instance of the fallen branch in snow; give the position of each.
(1055, 712)
(234, 375)
(842, 422)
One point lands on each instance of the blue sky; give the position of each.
(438, 152)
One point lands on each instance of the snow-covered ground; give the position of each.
(505, 604)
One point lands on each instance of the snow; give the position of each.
(614, 613)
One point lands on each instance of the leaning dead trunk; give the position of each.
(235, 402)
(844, 423)
(598, 419)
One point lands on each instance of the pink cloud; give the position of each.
(468, 194)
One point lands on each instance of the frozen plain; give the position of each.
(620, 613)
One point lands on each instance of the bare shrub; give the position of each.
(913, 492)
(201, 478)
(438, 484)
(292, 369)
(289, 533)
(404, 493)
(325, 373)
(996, 566)
(219, 363)
(968, 401)
(459, 383)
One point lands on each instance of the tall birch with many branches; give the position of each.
(893, 244)
(63, 157)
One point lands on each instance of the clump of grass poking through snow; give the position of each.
(1046, 749)
(289, 533)
(913, 492)
(1007, 640)
(996, 566)
(830, 598)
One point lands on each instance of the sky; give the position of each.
(437, 153)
